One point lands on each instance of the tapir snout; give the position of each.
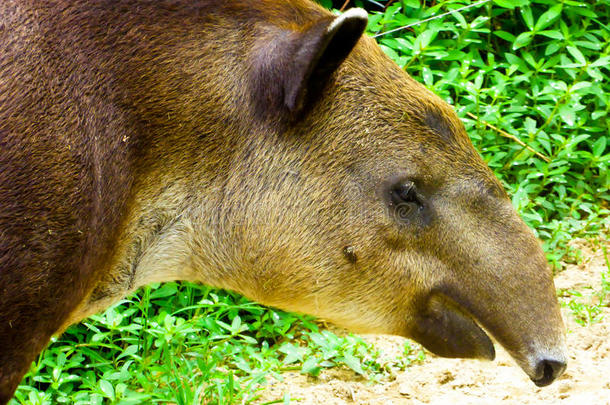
(504, 289)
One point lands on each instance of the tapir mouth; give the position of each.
(447, 329)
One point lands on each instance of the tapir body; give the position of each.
(261, 146)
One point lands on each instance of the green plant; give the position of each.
(588, 309)
(584, 313)
(186, 343)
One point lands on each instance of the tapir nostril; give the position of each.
(550, 370)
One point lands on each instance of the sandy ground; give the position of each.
(450, 381)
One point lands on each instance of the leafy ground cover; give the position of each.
(185, 344)
(530, 80)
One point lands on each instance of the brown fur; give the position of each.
(150, 141)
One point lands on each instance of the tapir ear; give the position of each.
(321, 50)
(291, 66)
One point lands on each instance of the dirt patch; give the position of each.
(454, 381)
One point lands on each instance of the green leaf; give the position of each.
(390, 52)
(603, 61)
(507, 36)
(293, 353)
(522, 40)
(353, 363)
(529, 125)
(568, 114)
(129, 351)
(580, 58)
(548, 17)
(515, 60)
(423, 40)
(596, 46)
(529, 58)
(595, 74)
(164, 291)
(551, 34)
(511, 4)
(427, 76)
(580, 85)
(505, 4)
(310, 366)
(528, 18)
(586, 12)
(412, 3)
(599, 146)
(236, 325)
(107, 389)
(551, 48)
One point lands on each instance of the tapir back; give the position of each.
(65, 174)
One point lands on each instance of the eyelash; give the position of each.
(404, 200)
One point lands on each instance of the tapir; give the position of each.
(263, 146)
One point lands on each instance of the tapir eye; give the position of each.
(404, 200)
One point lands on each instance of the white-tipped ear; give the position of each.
(321, 53)
(356, 14)
(291, 70)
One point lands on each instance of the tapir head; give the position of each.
(365, 203)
